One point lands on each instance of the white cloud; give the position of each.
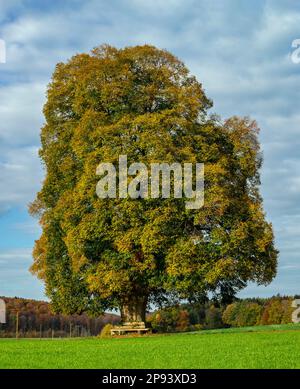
(20, 176)
(15, 278)
(21, 113)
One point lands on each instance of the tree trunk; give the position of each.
(133, 309)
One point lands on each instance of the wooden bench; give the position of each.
(125, 328)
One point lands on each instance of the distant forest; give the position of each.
(246, 312)
(34, 319)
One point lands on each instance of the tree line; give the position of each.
(31, 318)
(212, 315)
(34, 319)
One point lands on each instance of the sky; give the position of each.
(241, 52)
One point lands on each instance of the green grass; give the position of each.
(254, 347)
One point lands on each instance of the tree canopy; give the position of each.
(96, 254)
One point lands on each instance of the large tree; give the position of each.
(96, 254)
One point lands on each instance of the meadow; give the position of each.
(252, 347)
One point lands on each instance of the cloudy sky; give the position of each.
(239, 50)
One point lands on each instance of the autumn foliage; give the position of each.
(276, 310)
(96, 254)
(36, 319)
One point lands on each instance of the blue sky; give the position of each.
(239, 50)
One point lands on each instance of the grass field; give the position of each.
(255, 347)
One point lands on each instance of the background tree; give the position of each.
(277, 310)
(213, 317)
(127, 253)
(242, 314)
